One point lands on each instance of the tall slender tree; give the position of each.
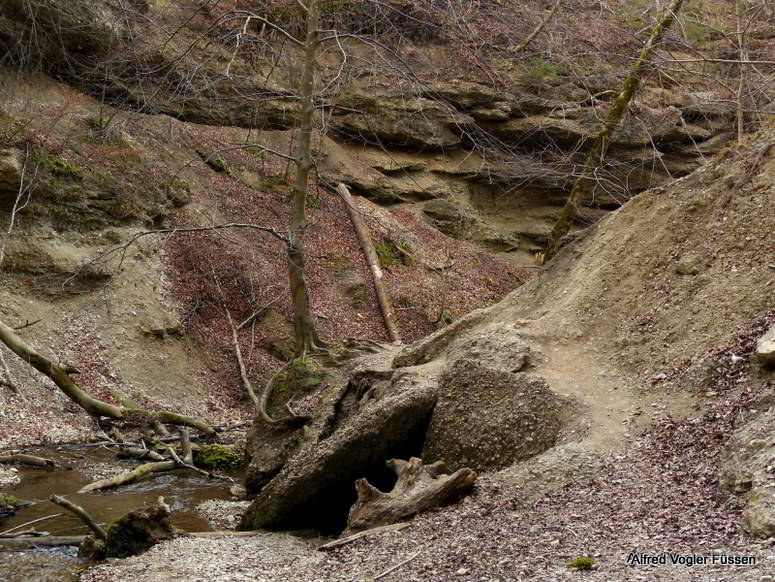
(585, 183)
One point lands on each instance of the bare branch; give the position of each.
(271, 25)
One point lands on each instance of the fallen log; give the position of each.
(60, 375)
(81, 513)
(176, 462)
(364, 237)
(28, 460)
(419, 487)
(129, 476)
(138, 453)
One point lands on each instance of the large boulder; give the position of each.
(765, 347)
(487, 417)
(315, 487)
(10, 173)
(747, 466)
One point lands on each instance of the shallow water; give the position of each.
(182, 490)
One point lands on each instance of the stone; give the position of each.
(415, 123)
(745, 468)
(500, 111)
(303, 493)
(10, 172)
(464, 94)
(759, 513)
(488, 417)
(447, 216)
(765, 347)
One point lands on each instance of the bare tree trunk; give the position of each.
(742, 54)
(305, 331)
(61, 377)
(525, 43)
(243, 372)
(585, 182)
(364, 237)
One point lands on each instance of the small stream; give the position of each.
(182, 491)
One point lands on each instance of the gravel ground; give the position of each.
(9, 476)
(222, 514)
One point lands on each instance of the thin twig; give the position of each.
(397, 566)
(13, 529)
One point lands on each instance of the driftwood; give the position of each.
(9, 532)
(28, 460)
(176, 462)
(60, 375)
(419, 487)
(367, 245)
(81, 513)
(362, 534)
(129, 476)
(138, 453)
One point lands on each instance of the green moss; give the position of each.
(216, 163)
(216, 456)
(389, 254)
(60, 168)
(582, 563)
(304, 375)
(539, 68)
(9, 500)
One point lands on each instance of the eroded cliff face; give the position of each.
(479, 143)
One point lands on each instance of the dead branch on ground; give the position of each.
(82, 515)
(364, 237)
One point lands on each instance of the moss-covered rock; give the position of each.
(9, 504)
(116, 193)
(217, 456)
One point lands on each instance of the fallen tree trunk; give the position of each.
(82, 515)
(176, 462)
(130, 476)
(27, 460)
(97, 408)
(138, 453)
(419, 487)
(364, 236)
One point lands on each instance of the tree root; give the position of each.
(97, 408)
(419, 487)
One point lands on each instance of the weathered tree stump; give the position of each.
(132, 534)
(419, 487)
